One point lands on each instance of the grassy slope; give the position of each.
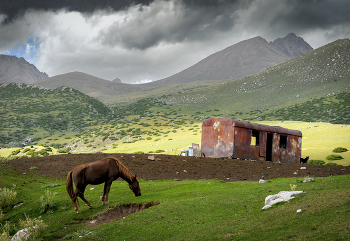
(193, 210)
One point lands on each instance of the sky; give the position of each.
(139, 41)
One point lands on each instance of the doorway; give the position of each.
(269, 144)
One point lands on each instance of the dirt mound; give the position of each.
(169, 167)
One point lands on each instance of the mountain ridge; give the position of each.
(236, 61)
(18, 70)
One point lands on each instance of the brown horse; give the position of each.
(106, 170)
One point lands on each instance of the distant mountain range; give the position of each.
(240, 60)
(237, 61)
(18, 70)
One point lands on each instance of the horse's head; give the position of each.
(135, 187)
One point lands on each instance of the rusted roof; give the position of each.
(221, 121)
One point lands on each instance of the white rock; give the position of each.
(282, 196)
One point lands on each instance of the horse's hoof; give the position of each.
(90, 207)
(78, 212)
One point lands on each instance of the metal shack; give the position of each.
(224, 137)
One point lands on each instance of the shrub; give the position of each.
(14, 153)
(5, 231)
(334, 157)
(316, 162)
(29, 223)
(159, 151)
(340, 149)
(331, 164)
(47, 204)
(33, 168)
(7, 198)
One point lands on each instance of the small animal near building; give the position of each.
(225, 137)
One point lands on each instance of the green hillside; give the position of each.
(29, 113)
(334, 109)
(319, 73)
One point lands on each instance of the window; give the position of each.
(255, 138)
(283, 142)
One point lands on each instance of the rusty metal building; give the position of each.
(224, 137)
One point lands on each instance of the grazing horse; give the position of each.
(304, 160)
(106, 170)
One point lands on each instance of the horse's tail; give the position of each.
(70, 189)
(69, 186)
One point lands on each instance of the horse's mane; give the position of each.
(128, 176)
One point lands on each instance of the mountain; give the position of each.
(240, 60)
(89, 85)
(237, 61)
(291, 45)
(18, 70)
(320, 73)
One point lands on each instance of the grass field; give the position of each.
(188, 210)
(319, 139)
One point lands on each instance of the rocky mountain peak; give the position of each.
(18, 70)
(291, 45)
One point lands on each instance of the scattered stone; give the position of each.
(262, 181)
(282, 196)
(152, 158)
(309, 179)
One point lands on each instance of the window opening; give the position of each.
(283, 142)
(255, 138)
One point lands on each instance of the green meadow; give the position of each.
(187, 210)
(319, 139)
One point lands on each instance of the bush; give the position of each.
(340, 149)
(159, 151)
(7, 198)
(47, 203)
(316, 162)
(334, 157)
(332, 164)
(29, 223)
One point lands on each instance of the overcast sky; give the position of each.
(138, 41)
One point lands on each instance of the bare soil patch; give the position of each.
(169, 167)
(114, 214)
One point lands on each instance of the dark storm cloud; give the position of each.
(308, 14)
(14, 9)
(185, 21)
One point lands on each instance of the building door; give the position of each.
(269, 144)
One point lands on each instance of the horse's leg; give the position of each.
(74, 201)
(80, 193)
(106, 189)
